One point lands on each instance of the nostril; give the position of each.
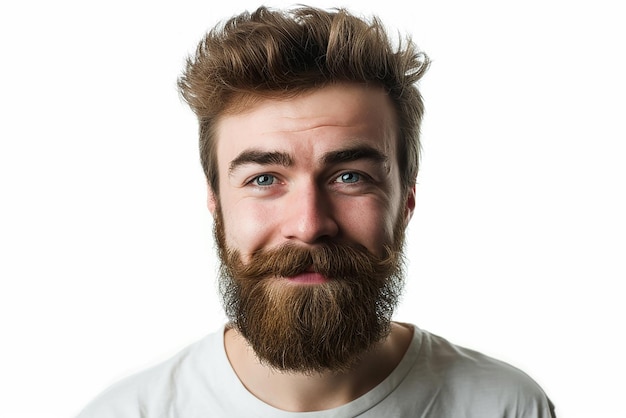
(310, 227)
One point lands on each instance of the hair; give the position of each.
(280, 54)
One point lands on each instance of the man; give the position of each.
(309, 138)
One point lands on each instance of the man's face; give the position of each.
(310, 221)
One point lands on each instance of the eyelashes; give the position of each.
(347, 177)
(263, 180)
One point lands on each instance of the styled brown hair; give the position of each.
(280, 54)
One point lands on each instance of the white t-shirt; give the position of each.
(434, 379)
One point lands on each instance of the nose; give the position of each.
(308, 215)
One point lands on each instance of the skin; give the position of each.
(284, 178)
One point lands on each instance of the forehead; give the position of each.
(334, 116)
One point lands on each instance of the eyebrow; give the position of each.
(253, 156)
(259, 157)
(354, 154)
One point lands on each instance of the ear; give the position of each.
(410, 205)
(211, 201)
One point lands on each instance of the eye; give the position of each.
(349, 177)
(263, 180)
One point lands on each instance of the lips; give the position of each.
(308, 277)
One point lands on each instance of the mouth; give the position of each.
(308, 277)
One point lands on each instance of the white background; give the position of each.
(517, 245)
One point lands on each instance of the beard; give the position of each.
(311, 328)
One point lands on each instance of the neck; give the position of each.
(302, 392)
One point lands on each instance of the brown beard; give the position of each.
(311, 328)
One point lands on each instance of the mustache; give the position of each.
(333, 260)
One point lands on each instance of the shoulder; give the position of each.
(154, 390)
(471, 380)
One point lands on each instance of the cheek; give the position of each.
(369, 223)
(248, 227)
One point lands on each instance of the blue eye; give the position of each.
(264, 180)
(349, 177)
